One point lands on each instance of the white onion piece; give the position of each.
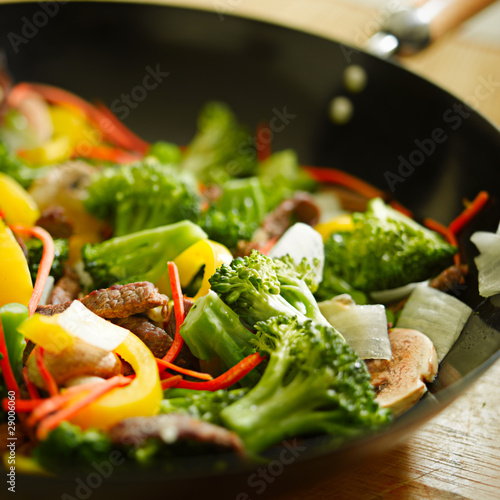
(394, 294)
(301, 241)
(437, 315)
(364, 328)
(486, 242)
(329, 205)
(488, 262)
(47, 290)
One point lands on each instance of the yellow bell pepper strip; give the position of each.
(204, 252)
(15, 279)
(16, 204)
(335, 225)
(55, 150)
(142, 397)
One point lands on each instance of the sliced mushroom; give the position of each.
(79, 360)
(400, 382)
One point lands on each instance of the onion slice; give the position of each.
(300, 241)
(488, 262)
(364, 328)
(437, 315)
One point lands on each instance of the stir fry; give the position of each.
(168, 300)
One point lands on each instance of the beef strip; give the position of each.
(171, 428)
(118, 301)
(66, 289)
(54, 220)
(300, 208)
(157, 339)
(451, 279)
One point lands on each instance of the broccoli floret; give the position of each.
(237, 213)
(219, 151)
(68, 445)
(204, 405)
(386, 249)
(314, 383)
(212, 330)
(167, 153)
(332, 285)
(281, 176)
(13, 166)
(258, 287)
(140, 256)
(61, 255)
(142, 195)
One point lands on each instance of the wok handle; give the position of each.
(410, 30)
(444, 15)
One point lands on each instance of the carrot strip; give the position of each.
(50, 383)
(126, 136)
(45, 263)
(263, 147)
(458, 224)
(268, 245)
(191, 373)
(55, 419)
(233, 375)
(175, 285)
(335, 176)
(107, 153)
(32, 390)
(103, 120)
(397, 206)
(8, 374)
(171, 382)
(446, 233)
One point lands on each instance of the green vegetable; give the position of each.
(281, 176)
(167, 153)
(385, 250)
(12, 315)
(237, 213)
(258, 287)
(212, 330)
(332, 285)
(11, 165)
(68, 445)
(204, 405)
(221, 149)
(314, 383)
(61, 255)
(143, 195)
(140, 256)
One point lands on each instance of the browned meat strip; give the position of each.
(157, 339)
(451, 279)
(51, 309)
(301, 208)
(121, 301)
(67, 288)
(54, 220)
(173, 427)
(118, 301)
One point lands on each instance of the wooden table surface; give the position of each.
(457, 454)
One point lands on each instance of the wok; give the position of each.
(266, 72)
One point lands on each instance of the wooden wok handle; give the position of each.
(444, 15)
(410, 30)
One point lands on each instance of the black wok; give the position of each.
(265, 72)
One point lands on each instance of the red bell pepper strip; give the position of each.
(479, 202)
